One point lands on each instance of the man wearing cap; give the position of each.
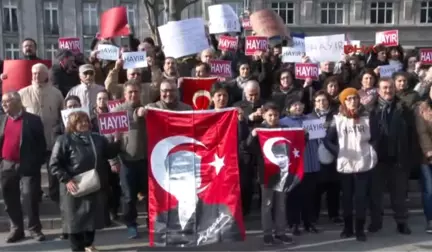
(88, 89)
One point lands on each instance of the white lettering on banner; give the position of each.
(307, 71)
(220, 68)
(255, 44)
(426, 56)
(114, 122)
(69, 44)
(388, 38)
(315, 128)
(325, 48)
(215, 228)
(226, 43)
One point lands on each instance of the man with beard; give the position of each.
(64, 74)
(29, 48)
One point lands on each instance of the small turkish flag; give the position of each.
(196, 92)
(114, 23)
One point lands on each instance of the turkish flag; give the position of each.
(194, 189)
(19, 73)
(196, 92)
(114, 23)
(282, 150)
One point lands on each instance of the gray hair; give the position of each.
(40, 66)
(251, 84)
(14, 95)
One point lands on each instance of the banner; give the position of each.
(19, 73)
(255, 44)
(114, 23)
(387, 38)
(220, 68)
(305, 71)
(426, 56)
(114, 103)
(228, 43)
(112, 122)
(194, 190)
(196, 92)
(70, 43)
(282, 150)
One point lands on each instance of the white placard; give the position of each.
(108, 52)
(222, 19)
(66, 112)
(294, 53)
(315, 128)
(134, 59)
(184, 37)
(325, 48)
(388, 70)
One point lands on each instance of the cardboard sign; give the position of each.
(66, 112)
(19, 73)
(108, 52)
(388, 70)
(315, 128)
(269, 24)
(387, 38)
(294, 53)
(114, 103)
(72, 44)
(426, 56)
(112, 122)
(305, 71)
(222, 19)
(228, 43)
(255, 44)
(133, 60)
(246, 24)
(325, 48)
(221, 68)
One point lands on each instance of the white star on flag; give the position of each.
(296, 153)
(218, 163)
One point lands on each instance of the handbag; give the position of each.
(87, 182)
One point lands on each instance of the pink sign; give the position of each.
(305, 71)
(220, 68)
(114, 103)
(426, 56)
(246, 24)
(113, 122)
(72, 44)
(387, 38)
(255, 44)
(228, 43)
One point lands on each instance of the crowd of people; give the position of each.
(379, 131)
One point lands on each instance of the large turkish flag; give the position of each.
(194, 191)
(196, 92)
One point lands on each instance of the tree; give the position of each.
(171, 9)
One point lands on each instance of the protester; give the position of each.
(64, 74)
(29, 49)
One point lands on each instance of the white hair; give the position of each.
(251, 84)
(14, 95)
(40, 66)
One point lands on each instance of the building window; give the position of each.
(332, 13)
(12, 51)
(51, 18)
(90, 18)
(238, 7)
(381, 13)
(426, 12)
(10, 16)
(285, 11)
(87, 45)
(131, 15)
(50, 51)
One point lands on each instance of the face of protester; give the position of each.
(297, 109)
(220, 99)
(386, 90)
(70, 62)
(168, 92)
(412, 62)
(131, 94)
(10, 105)
(206, 55)
(70, 104)
(39, 76)
(321, 102)
(368, 81)
(271, 117)
(150, 61)
(87, 77)
(170, 67)
(277, 51)
(381, 56)
(401, 83)
(286, 80)
(332, 88)
(102, 100)
(353, 64)
(244, 70)
(327, 67)
(28, 48)
(394, 54)
(134, 74)
(201, 72)
(83, 125)
(352, 102)
(252, 94)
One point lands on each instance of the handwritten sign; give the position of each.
(108, 52)
(387, 38)
(134, 59)
(294, 53)
(255, 44)
(72, 44)
(114, 103)
(325, 48)
(388, 70)
(220, 68)
(426, 56)
(66, 112)
(222, 19)
(113, 122)
(305, 71)
(228, 43)
(315, 128)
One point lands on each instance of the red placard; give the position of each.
(246, 24)
(220, 68)
(228, 43)
(255, 44)
(426, 56)
(387, 38)
(114, 103)
(114, 23)
(19, 73)
(305, 71)
(72, 44)
(113, 122)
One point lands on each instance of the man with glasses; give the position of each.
(169, 98)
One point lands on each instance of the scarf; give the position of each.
(169, 77)
(386, 107)
(83, 137)
(322, 113)
(241, 81)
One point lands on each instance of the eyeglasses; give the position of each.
(352, 98)
(88, 73)
(167, 90)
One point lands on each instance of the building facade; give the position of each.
(47, 20)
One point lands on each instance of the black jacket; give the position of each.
(62, 79)
(248, 109)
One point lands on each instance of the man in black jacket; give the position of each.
(23, 150)
(64, 73)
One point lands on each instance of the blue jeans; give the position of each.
(426, 184)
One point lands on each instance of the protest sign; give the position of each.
(325, 48)
(113, 122)
(66, 112)
(305, 71)
(72, 44)
(388, 70)
(114, 23)
(220, 68)
(315, 128)
(387, 38)
(108, 52)
(19, 74)
(268, 23)
(228, 43)
(222, 19)
(255, 44)
(294, 53)
(134, 59)
(114, 103)
(426, 56)
(246, 24)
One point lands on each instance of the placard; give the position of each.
(108, 52)
(133, 60)
(220, 68)
(112, 122)
(255, 44)
(387, 38)
(388, 70)
(72, 44)
(305, 71)
(325, 48)
(315, 128)
(426, 56)
(66, 112)
(295, 53)
(228, 43)
(222, 19)
(113, 103)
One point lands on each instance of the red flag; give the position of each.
(19, 73)
(196, 92)
(114, 23)
(282, 150)
(194, 191)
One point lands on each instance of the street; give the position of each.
(114, 239)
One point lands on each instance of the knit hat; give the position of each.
(347, 92)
